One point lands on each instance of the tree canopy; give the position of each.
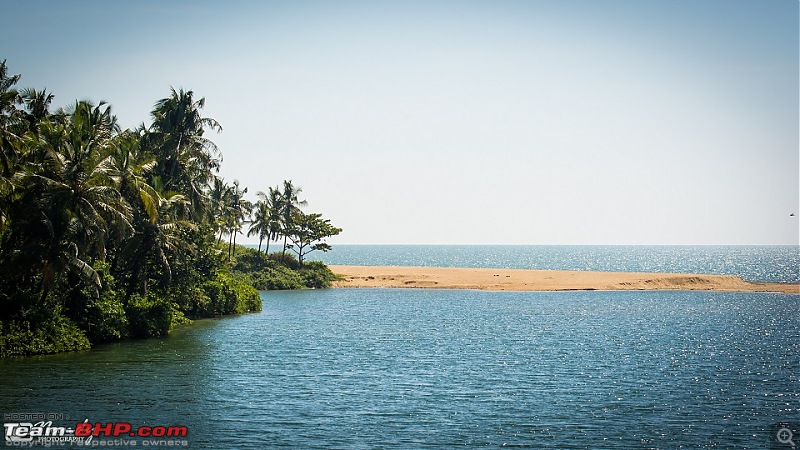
(107, 233)
(308, 232)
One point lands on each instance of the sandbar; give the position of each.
(542, 280)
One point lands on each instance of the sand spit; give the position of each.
(543, 280)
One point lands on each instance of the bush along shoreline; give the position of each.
(109, 234)
(281, 271)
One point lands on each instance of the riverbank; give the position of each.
(542, 280)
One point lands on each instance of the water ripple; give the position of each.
(418, 369)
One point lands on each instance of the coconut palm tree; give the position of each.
(219, 198)
(185, 157)
(275, 202)
(157, 234)
(267, 217)
(37, 104)
(129, 167)
(10, 99)
(67, 198)
(260, 223)
(10, 118)
(290, 204)
(237, 211)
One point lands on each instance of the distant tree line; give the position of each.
(108, 233)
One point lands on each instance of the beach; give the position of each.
(542, 280)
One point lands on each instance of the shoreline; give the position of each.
(543, 280)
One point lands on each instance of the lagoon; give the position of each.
(380, 368)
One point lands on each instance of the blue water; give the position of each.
(417, 368)
(753, 263)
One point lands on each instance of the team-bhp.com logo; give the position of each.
(44, 433)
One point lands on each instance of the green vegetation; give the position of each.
(281, 271)
(109, 234)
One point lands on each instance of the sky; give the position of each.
(464, 122)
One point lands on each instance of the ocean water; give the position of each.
(753, 263)
(388, 368)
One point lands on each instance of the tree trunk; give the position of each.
(300, 253)
(260, 239)
(230, 245)
(235, 232)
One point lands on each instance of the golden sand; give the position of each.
(543, 280)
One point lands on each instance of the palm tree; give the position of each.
(275, 203)
(267, 217)
(10, 118)
(237, 210)
(260, 223)
(157, 233)
(185, 157)
(37, 104)
(129, 168)
(68, 198)
(219, 197)
(290, 204)
(10, 98)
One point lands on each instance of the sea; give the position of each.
(419, 368)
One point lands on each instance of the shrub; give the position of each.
(231, 294)
(149, 316)
(216, 292)
(287, 260)
(193, 302)
(178, 318)
(100, 313)
(247, 297)
(317, 275)
(104, 318)
(249, 260)
(277, 278)
(58, 334)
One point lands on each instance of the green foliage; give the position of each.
(247, 297)
(58, 334)
(286, 260)
(101, 314)
(178, 318)
(193, 302)
(105, 319)
(149, 316)
(308, 232)
(108, 234)
(230, 294)
(218, 299)
(282, 272)
(317, 275)
(250, 260)
(277, 278)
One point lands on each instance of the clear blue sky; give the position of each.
(530, 122)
